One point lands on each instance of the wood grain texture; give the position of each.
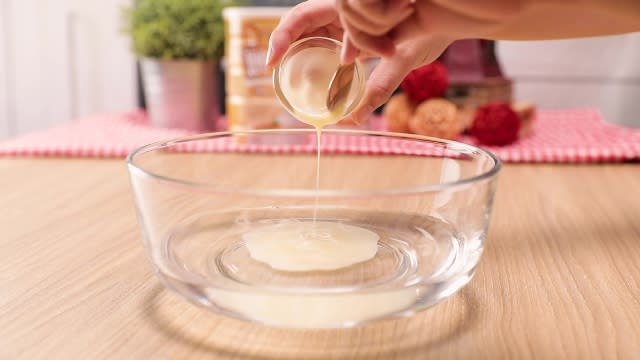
(560, 277)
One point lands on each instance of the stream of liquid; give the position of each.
(319, 147)
(307, 87)
(319, 122)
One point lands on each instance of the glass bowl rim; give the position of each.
(136, 169)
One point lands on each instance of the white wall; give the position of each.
(105, 79)
(4, 79)
(40, 72)
(62, 59)
(603, 72)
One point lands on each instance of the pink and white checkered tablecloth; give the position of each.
(559, 136)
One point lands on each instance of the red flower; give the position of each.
(426, 82)
(496, 124)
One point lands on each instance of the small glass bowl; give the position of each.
(429, 200)
(315, 59)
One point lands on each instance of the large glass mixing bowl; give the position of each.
(428, 200)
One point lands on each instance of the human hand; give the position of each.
(377, 27)
(486, 19)
(314, 18)
(367, 24)
(390, 71)
(310, 18)
(320, 18)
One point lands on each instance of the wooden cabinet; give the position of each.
(61, 60)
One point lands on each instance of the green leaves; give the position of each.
(177, 29)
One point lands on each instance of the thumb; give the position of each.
(382, 82)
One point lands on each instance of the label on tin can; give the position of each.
(250, 97)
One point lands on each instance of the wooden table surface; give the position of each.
(560, 277)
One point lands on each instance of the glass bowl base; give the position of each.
(419, 261)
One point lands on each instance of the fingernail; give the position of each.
(269, 54)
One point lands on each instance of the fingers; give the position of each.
(390, 72)
(382, 82)
(303, 18)
(368, 21)
(374, 17)
(433, 19)
(380, 26)
(349, 52)
(380, 8)
(379, 45)
(356, 20)
(432, 46)
(329, 31)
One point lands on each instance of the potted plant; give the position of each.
(179, 44)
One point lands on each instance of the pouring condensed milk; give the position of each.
(375, 246)
(306, 78)
(317, 90)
